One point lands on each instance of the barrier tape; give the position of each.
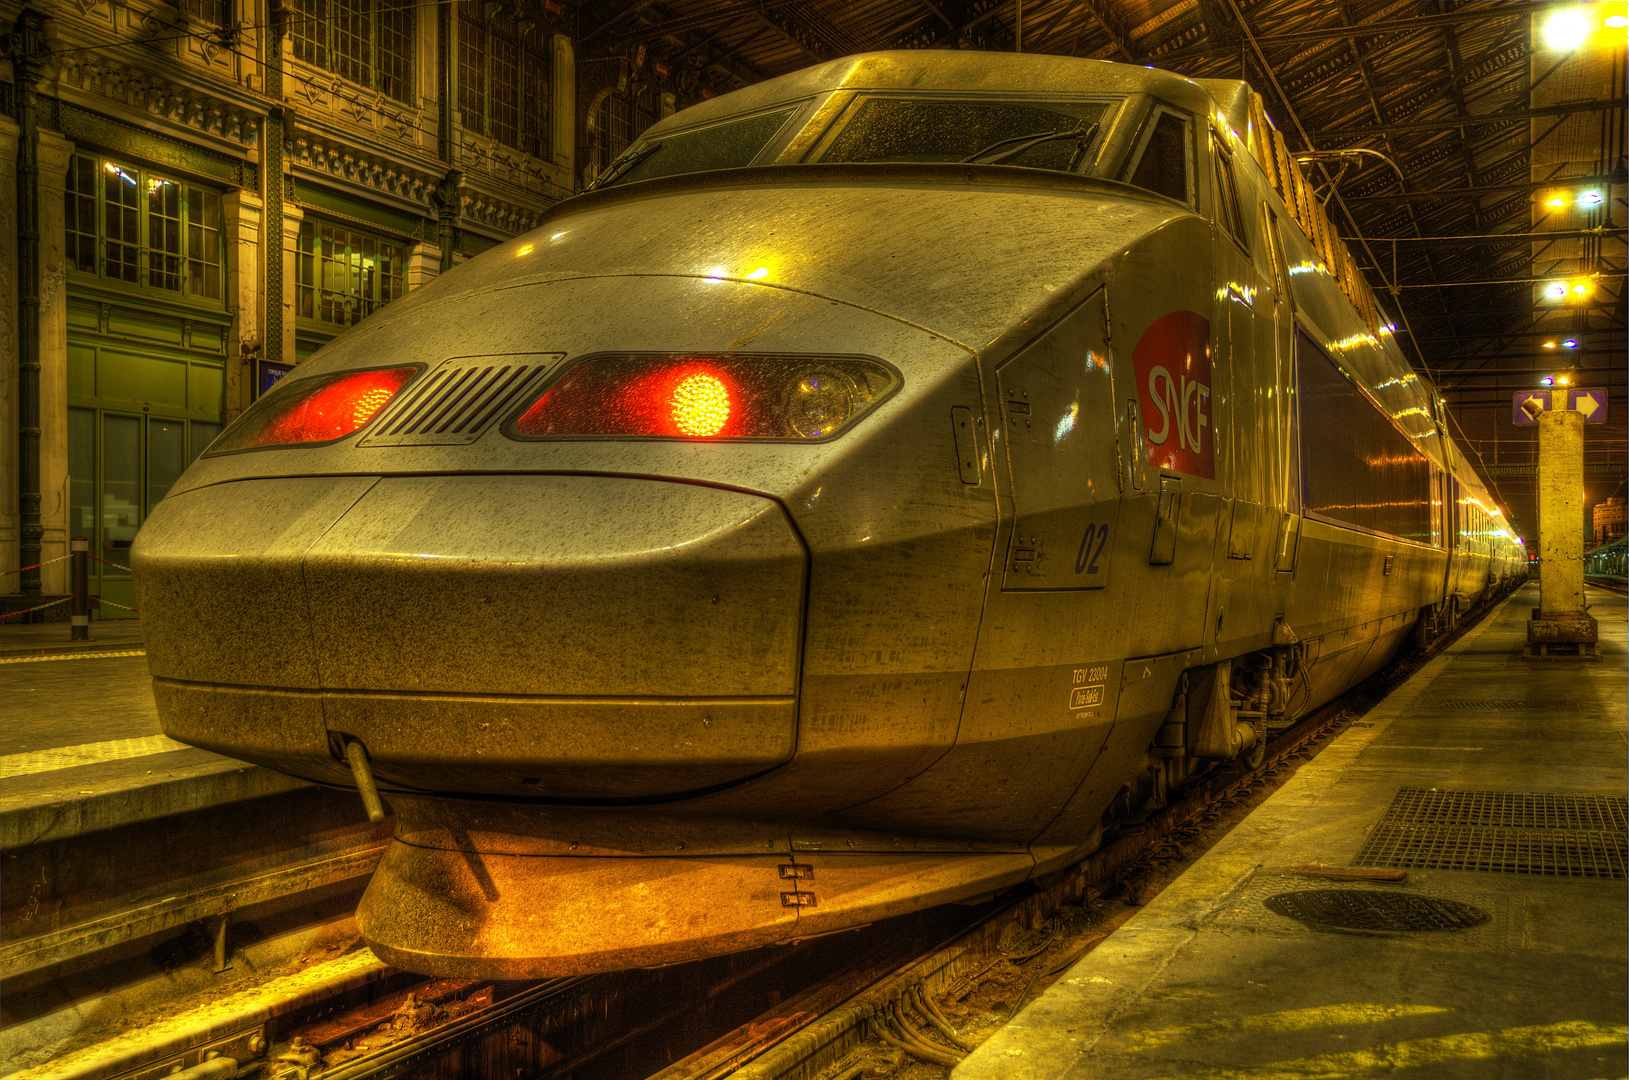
(110, 603)
(115, 565)
(42, 607)
(37, 565)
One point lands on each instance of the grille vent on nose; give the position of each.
(458, 401)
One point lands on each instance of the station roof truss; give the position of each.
(1477, 122)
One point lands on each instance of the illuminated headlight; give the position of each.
(312, 411)
(707, 397)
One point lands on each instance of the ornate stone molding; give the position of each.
(480, 208)
(526, 176)
(325, 95)
(161, 98)
(319, 153)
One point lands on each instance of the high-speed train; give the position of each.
(887, 478)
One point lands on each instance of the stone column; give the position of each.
(244, 298)
(563, 121)
(1561, 525)
(54, 154)
(1560, 618)
(284, 305)
(10, 522)
(423, 264)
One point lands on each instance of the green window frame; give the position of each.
(133, 227)
(342, 275)
(503, 75)
(366, 41)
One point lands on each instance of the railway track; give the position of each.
(924, 987)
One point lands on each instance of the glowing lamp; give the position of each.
(1549, 344)
(315, 410)
(1546, 381)
(707, 397)
(1567, 29)
(701, 406)
(1569, 344)
(1558, 201)
(1555, 290)
(1590, 198)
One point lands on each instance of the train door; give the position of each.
(1045, 677)
(1286, 467)
(1239, 604)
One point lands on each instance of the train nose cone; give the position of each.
(572, 637)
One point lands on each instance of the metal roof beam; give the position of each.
(1377, 27)
(1456, 122)
(1492, 189)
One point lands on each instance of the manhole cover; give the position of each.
(1371, 910)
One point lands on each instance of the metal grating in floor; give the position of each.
(1547, 852)
(1513, 809)
(1487, 705)
(1507, 832)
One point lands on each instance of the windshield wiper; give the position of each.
(1083, 134)
(623, 164)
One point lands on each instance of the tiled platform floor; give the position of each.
(1207, 983)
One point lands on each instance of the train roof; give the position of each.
(973, 73)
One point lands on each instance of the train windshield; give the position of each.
(1035, 134)
(730, 145)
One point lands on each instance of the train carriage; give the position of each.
(889, 476)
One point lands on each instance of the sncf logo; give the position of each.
(1172, 360)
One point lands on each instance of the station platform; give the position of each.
(81, 748)
(1497, 784)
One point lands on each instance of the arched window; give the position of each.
(503, 75)
(617, 117)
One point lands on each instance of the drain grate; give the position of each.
(1515, 809)
(1548, 852)
(1485, 705)
(1506, 832)
(1369, 910)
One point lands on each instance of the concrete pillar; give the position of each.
(54, 154)
(285, 304)
(10, 521)
(1560, 618)
(1561, 522)
(242, 210)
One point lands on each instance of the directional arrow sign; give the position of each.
(1589, 400)
(1519, 415)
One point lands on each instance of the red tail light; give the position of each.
(315, 410)
(802, 398)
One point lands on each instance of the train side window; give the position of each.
(1227, 197)
(1162, 162)
(1358, 468)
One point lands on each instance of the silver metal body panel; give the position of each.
(925, 656)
